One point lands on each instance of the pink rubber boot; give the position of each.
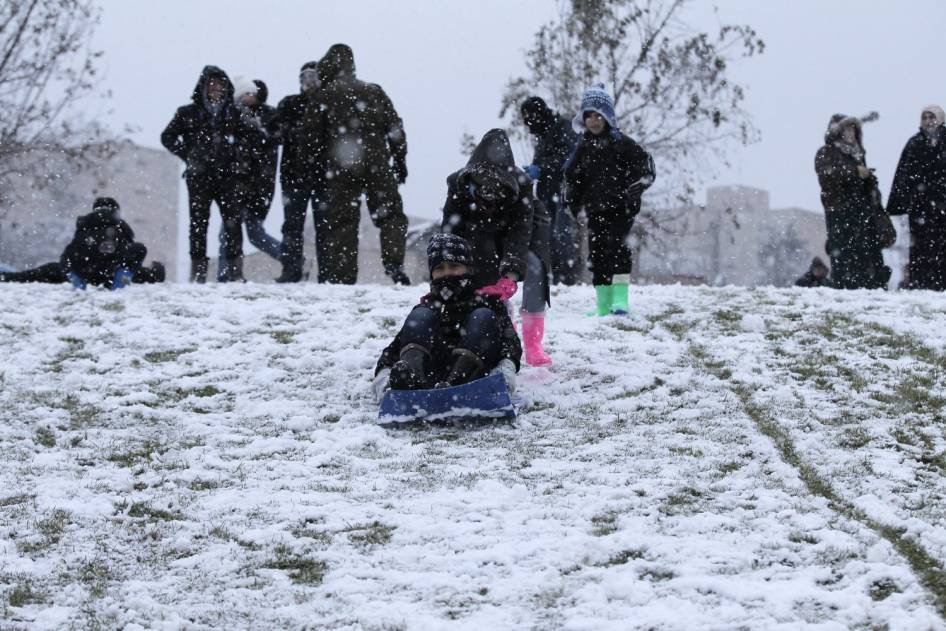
(533, 330)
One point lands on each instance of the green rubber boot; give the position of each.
(603, 295)
(619, 294)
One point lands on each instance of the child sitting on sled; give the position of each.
(455, 335)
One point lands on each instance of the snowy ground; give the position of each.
(206, 457)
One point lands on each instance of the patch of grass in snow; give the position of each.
(13, 500)
(623, 557)
(883, 588)
(604, 524)
(24, 594)
(203, 485)
(915, 393)
(96, 575)
(160, 357)
(73, 350)
(802, 537)
(138, 454)
(368, 535)
(854, 438)
(114, 307)
(305, 531)
(282, 337)
(45, 437)
(728, 318)
(680, 501)
(656, 574)
(300, 569)
(143, 510)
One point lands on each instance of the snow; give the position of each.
(207, 457)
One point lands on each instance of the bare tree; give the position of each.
(669, 80)
(47, 65)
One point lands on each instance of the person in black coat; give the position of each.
(102, 252)
(301, 128)
(816, 276)
(919, 190)
(605, 177)
(455, 335)
(850, 198)
(490, 203)
(203, 134)
(554, 142)
(257, 156)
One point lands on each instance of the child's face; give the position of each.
(448, 268)
(595, 123)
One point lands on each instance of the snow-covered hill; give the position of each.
(206, 457)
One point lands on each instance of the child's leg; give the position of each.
(534, 296)
(622, 265)
(599, 252)
(418, 336)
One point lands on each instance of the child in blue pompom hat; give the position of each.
(605, 177)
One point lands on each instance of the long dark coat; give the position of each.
(849, 205)
(101, 244)
(502, 239)
(919, 190)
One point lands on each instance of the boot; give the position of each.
(199, 270)
(533, 330)
(603, 296)
(397, 274)
(290, 274)
(409, 371)
(235, 270)
(466, 367)
(619, 294)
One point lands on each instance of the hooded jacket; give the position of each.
(258, 140)
(554, 142)
(363, 131)
(99, 245)
(842, 188)
(919, 184)
(500, 238)
(203, 138)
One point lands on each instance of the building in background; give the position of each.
(37, 222)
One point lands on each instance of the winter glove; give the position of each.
(638, 187)
(532, 171)
(504, 289)
(380, 384)
(77, 282)
(507, 369)
(122, 278)
(400, 171)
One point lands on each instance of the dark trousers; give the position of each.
(927, 268)
(202, 193)
(340, 261)
(857, 260)
(48, 273)
(607, 245)
(564, 246)
(295, 204)
(254, 202)
(479, 333)
(54, 273)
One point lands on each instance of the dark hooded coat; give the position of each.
(500, 238)
(205, 140)
(101, 244)
(258, 149)
(364, 133)
(919, 190)
(850, 202)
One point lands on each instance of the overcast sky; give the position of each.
(445, 62)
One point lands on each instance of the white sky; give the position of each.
(445, 62)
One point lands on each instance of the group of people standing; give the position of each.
(341, 138)
(859, 227)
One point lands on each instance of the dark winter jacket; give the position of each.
(204, 139)
(98, 247)
(363, 131)
(258, 144)
(919, 185)
(301, 125)
(843, 191)
(500, 238)
(452, 316)
(555, 141)
(600, 172)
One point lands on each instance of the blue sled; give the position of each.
(484, 399)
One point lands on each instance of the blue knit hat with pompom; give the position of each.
(595, 99)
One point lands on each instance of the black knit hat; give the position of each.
(105, 203)
(448, 247)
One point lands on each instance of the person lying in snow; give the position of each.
(102, 252)
(455, 335)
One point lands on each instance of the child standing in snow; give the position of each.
(605, 177)
(455, 335)
(490, 203)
